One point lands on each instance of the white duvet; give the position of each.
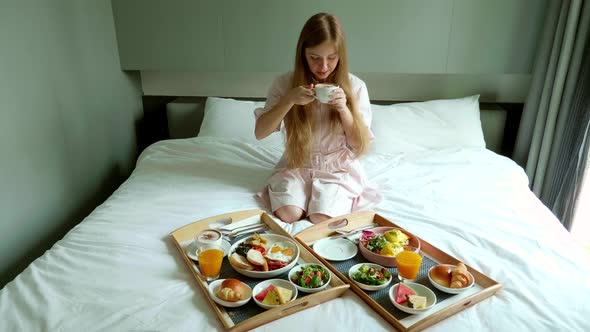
(118, 270)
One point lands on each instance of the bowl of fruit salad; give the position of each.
(381, 244)
(370, 276)
(411, 297)
(272, 293)
(310, 277)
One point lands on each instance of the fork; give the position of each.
(240, 228)
(232, 235)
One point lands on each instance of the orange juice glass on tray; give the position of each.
(210, 258)
(408, 264)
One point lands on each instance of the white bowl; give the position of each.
(419, 290)
(277, 282)
(378, 267)
(272, 238)
(448, 289)
(298, 268)
(217, 283)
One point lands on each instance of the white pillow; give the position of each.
(419, 126)
(230, 118)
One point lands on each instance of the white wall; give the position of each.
(67, 117)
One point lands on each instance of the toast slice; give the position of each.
(240, 262)
(255, 257)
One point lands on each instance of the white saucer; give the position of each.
(335, 249)
(191, 249)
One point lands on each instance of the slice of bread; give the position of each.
(255, 257)
(240, 262)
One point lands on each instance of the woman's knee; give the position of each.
(318, 217)
(289, 213)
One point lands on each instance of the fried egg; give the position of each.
(280, 251)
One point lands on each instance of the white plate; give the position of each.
(272, 238)
(191, 249)
(217, 283)
(335, 249)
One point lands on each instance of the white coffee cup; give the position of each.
(323, 91)
(208, 237)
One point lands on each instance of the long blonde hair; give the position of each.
(299, 124)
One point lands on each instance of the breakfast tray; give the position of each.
(447, 304)
(250, 315)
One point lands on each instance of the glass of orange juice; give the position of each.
(210, 257)
(408, 264)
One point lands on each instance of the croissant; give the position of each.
(228, 294)
(459, 276)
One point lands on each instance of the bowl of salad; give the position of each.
(310, 277)
(380, 245)
(370, 276)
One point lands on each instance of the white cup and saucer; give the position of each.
(323, 91)
(205, 238)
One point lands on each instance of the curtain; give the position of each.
(551, 143)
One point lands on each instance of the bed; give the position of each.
(118, 270)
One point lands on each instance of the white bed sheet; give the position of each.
(118, 270)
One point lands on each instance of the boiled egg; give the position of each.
(280, 251)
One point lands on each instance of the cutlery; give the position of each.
(240, 228)
(233, 235)
(342, 233)
(356, 230)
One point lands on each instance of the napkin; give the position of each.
(244, 222)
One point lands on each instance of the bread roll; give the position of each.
(231, 290)
(460, 277)
(441, 274)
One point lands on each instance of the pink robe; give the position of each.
(332, 181)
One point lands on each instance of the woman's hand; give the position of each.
(338, 100)
(301, 95)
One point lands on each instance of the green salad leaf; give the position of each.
(370, 276)
(376, 244)
(311, 276)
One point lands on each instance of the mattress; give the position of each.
(118, 269)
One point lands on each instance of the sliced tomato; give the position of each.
(260, 248)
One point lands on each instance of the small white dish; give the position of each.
(217, 283)
(191, 249)
(448, 289)
(420, 290)
(298, 268)
(277, 282)
(377, 267)
(335, 249)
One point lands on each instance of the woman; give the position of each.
(319, 175)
